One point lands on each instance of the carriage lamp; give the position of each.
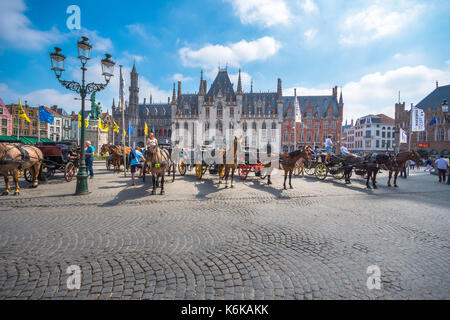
(108, 67)
(84, 49)
(57, 59)
(83, 89)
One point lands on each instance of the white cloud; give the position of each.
(46, 97)
(133, 57)
(98, 43)
(266, 13)
(310, 34)
(246, 79)
(378, 92)
(18, 31)
(180, 77)
(137, 29)
(309, 6)
(378, 21)
(234, 54)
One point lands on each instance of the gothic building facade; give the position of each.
(215, 115)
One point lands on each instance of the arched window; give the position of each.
(231, 125)
(177, 126)
(186, 126)
(274, 125)
(264, 126)
(206, 126)
(254, 126)
(244, 127)
(442, 134)
(219, 125)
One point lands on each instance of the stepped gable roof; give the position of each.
(268, 100)
(319, 104)
(188, 102)
(435, 98)
(221, 83)
(154, 110)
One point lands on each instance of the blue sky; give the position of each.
(372, 49)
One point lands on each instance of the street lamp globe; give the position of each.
(108, 67)
(57, 59)
(84, 49)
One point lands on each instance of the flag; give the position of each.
(124, 132)
(130, 129)
(433, 121)
(403, 137)
(417, 119)
(298, 115)
(102, 125)
(45, 116)
(22, 113)
(86, 121)
(116, 127)
(146, 130)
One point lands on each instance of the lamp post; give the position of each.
(444, 107)
(83, 89)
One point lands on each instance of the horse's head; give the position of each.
(415, 156)
(104, 149)
(151, 152)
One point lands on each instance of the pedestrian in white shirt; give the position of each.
(442, 165)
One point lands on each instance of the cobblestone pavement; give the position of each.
(202, 241)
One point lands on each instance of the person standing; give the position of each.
(442, 165)
(89, 157)
(328, 147)
(135, 158)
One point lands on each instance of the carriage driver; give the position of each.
(344, 150)
(328, 145)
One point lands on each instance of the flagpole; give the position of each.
(18, 118)
(123, 122)
(38, 126)
(410, 129)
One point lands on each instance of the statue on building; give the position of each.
(96, 109)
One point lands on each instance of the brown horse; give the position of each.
(116, 155)
(395, 163)
(363, 164)
(289, 159)
(159, 161)
(226, 166)
(14, 157)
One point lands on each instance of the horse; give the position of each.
(14, 158)
(116, 155)
(288, 161)
(395, 163)
(367, 163)
(159, 161)
(227, 167)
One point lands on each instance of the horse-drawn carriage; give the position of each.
(205, 162)
(252, 165)
(57, 158)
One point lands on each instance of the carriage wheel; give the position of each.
(263, 172)
(182, 168)
(198, 171)
(46, 173)
(338, 172)
(222, 172)
(310, 169)
(69, 171)
(243, 171)
(321, 171)
(28, 176)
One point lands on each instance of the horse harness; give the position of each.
(25, 156)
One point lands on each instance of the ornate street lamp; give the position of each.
(84, 52)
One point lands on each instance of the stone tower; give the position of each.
(133, 103)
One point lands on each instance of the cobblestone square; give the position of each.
(202, 241)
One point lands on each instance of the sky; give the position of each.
(371, 50)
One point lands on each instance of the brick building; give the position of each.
(321, 116)
(6, 120)
(436, 137)
(27, 128)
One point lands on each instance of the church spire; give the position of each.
(279, 90)
(179, 90)
(251, 87)
(239, 86)
(340, 98)
(174, 97)
(200, 90)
